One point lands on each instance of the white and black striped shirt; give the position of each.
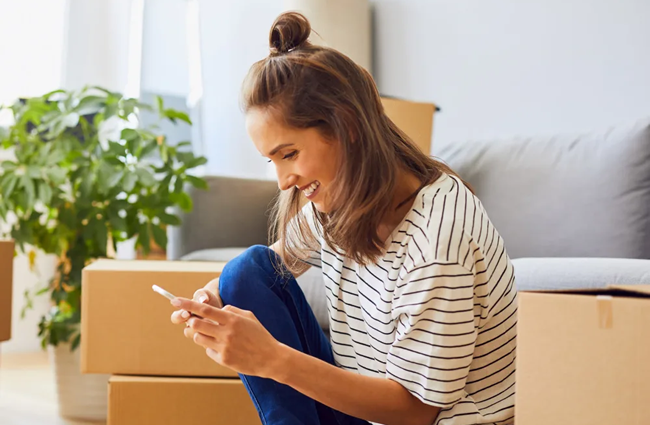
(437, 313)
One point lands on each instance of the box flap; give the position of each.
(639, 291)
(156, 266)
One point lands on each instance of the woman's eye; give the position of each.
(290, 155)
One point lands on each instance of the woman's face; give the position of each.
(302, 157)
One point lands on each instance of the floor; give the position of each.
(27, 391)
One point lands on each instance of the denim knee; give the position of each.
(254, 266)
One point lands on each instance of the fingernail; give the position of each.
(185, 314)
(176, 302)
(203, 298)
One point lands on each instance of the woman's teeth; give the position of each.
(308, 192)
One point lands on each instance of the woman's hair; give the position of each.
(309, 86)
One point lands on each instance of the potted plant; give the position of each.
(85, 177)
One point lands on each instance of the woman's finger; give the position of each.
(180, 316)
(204, 341)
(208, 297)
(202, 310)
(205, 327)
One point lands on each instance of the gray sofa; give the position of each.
(574, 210)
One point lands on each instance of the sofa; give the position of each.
(574, 209)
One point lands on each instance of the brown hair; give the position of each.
(309, 86)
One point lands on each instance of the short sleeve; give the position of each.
(313, 253)
(435, 332)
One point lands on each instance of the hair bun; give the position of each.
(289, 31)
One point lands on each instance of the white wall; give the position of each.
(165, 68)
(234, 34)
(506, 67)
(31, 47)
(97, 44)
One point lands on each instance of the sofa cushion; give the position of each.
(233, 212)
(579, 273)
(564, 196)
(311, 282)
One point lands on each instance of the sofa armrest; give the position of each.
(232, 213)
(579, 273)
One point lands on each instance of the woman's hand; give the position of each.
(232, 337)
(209, 294)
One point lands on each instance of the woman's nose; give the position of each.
(287, 182)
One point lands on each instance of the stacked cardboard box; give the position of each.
(583, 357)
(413, 118)
(126, 330)
(6, 284)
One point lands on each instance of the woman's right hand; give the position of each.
(209, 294)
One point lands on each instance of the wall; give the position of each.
(234, 35)
(507, 67)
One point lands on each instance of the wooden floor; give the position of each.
(27, 391)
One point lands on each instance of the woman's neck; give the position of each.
(406, 186)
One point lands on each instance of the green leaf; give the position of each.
(132, 138)
(44, 193)
(55, 157)
(118, 223)
(183, 143)
(101, 237)
(28, 184)
(146, 178)
(160, 104)
(174, 115)
(9, 165)
(178, 185)
(108, 176)
(56, 175)
(183, 200)
(34, 171)
(144, 238)
(129, 181)
(111, 110)
(149, 147)
(169, 219)
(196, 162)
(90, 105)
(9, 184)
(116, 149)
(197, 182)
(114, 161)
(160, 236)
(75, 342)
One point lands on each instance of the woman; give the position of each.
(420, 290)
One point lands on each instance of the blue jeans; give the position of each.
(251, 282)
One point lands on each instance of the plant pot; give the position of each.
(80, 396)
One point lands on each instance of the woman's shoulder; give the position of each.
(444, 213)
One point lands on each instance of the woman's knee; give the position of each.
(254, 266)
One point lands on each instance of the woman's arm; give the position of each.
(373, 399)
(236, 339)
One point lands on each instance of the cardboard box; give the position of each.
(583, 357)
(126, 327)
(413, 118)
(137, 400)
(6, 284)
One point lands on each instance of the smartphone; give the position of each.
(162, 292)
(167, 294)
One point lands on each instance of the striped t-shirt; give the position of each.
(437, 313)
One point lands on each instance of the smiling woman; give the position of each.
(420, 290)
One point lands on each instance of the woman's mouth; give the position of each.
(312, 190)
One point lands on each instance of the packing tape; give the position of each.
(605, 313)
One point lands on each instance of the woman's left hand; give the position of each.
(232, 337)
